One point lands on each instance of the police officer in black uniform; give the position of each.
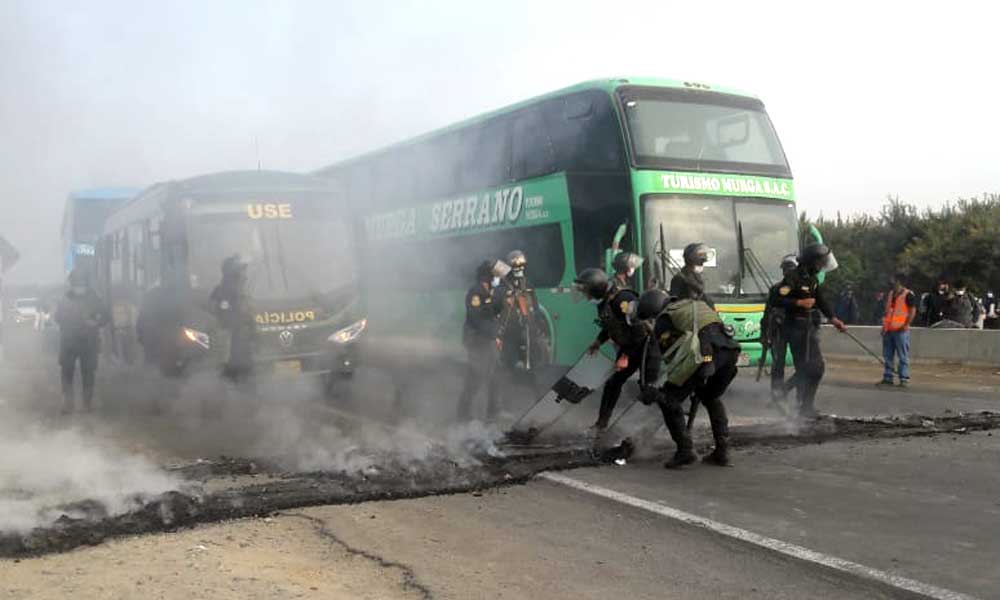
(772, 327)
(80, 315)
(803, 300)
(525, 336)
(615, 308)
(484, 303)
(231, 305)
(712, 369)
(689, 282)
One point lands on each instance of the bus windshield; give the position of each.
(291, 259)
(768, 233)
(671, 132)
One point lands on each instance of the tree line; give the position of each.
(959, 242)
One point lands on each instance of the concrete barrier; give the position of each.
(973, 347)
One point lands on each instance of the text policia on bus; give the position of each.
(556, 177)
(248, 272)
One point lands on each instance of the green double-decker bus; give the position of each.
(557, 177)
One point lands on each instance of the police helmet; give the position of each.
(625, 262)
(651, 303)
(592, 283)
(233, 265)
(484, 271)
(789, 262)
(696, 254)
(818, 257)
(517, 260)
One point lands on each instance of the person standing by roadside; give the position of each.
(847, 307)
(938, 302)
(80, 314)
(900, 310)
(960, 307)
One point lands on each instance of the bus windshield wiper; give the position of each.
(281, 254)
(666, 261)
(748, 262)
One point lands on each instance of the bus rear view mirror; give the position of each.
(733, 131)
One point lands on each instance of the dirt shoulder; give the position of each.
(924, 377)
(273, 558)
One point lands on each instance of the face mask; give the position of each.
(594, 300)
(699, 268)
(960, 293)
(941, 290)
(630, 273)
(495, 282)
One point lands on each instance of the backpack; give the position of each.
(683, 358)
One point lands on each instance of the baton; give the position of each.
(868, 350)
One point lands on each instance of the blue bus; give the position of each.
(83, 220)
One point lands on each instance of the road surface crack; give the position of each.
(410, 581)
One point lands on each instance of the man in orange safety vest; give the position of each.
(900, 310)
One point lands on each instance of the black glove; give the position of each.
(650, 395)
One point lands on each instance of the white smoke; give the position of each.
(42, 469)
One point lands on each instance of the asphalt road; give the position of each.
(919, 511)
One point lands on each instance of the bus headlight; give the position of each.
(198, 337)
(349, 333)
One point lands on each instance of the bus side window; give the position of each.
(154, 258)
(532, 154)
(405, 265)
(486, 156)
(438, 161)
(584, 132)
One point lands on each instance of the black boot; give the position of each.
(685, 454)
(720, 431)
(719, 455)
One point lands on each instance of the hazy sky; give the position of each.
(868, 98)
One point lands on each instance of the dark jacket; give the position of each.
(800, 285)
(961, 310)
(612, 315)
(483, 307)
(688, 284)
(847, 309)
(80, 318)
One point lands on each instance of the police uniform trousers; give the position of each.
(84, 350)
(779, 353)
(613, 386)
(709, 392)
(802, 334)
(481, 370)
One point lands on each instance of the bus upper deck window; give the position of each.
(579, 107)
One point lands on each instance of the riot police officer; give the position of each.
(689, 281)
(700, 357)
(231, 305)
(80, 315)
(803, 300)
(525, 342)
(772, 328)
(615, 309)
(483, 305)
